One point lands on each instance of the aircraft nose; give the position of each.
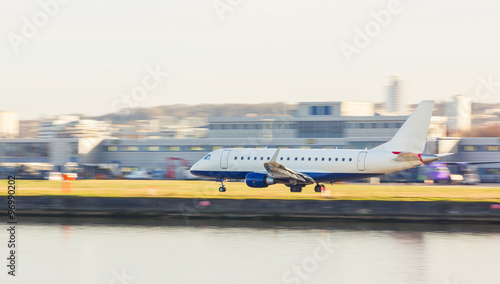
(193, 167)
(197, 169)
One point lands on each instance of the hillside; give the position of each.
(203, 110)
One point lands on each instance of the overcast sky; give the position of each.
(93, 57)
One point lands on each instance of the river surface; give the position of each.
(128, 251)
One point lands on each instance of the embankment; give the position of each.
(256, 208)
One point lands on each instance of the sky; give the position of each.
(96, 57)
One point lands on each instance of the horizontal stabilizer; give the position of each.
(413, 157)
(445, 154)
(406, 157)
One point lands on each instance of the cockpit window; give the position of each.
(207, 157)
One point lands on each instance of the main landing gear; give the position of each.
(222, 188)
(319, 187)
(296, 188)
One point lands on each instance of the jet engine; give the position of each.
(258, 180)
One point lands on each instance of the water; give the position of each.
(206, 251)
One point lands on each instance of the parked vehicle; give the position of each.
(490, 175)
(138, 175)
(53, 176)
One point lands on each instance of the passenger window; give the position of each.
(322, 159)
(255, 158)
(329, 159)
(309, 159)
(281, 159)
(248, 158)
(288, 159)
(343, 159)
(302, 158)
(336, 159)
(350, 159)
(261, 158)
(296, 158)
(235, 158)
(242, 158)
(315, 159)
(268, 158)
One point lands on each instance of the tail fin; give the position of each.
(411, 137)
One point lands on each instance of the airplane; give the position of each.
(297, 168)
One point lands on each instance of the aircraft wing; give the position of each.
(277, 170)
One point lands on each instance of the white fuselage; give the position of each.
(323, 165)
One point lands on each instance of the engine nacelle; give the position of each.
(258, 180)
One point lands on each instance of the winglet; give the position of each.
(275, 156)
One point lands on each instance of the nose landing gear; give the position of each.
(222, 188)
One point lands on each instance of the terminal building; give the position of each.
(348, 120)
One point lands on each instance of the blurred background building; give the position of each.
(9, 124)
(459, 113)
(394, 101)
(162, 127)
(317, 120)
(71, 126)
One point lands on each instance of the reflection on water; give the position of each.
(209, 251)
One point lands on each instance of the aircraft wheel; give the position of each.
(222, 189)
(318, 188)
